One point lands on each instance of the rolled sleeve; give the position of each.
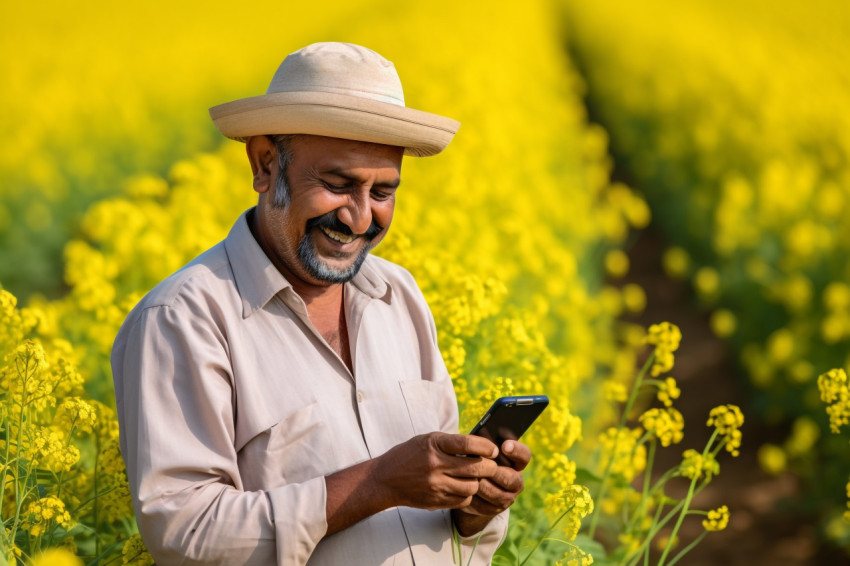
(175, 403)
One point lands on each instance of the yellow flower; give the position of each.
(56, 557)
(723, 323)
(135, 553)
(614, 391)
(575, 557)
(664, 424)
(707, 281)
(666, 338)
(835, 392)
(728, 419)
(40, 513)
(634, 297)
(619, 446)
(76, 414)
(772, 459)
(695, 466)
(717, 519)
(574, 503)
(667, 391)
(616, 263)
(676, 262)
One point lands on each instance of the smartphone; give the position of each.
(508, 419)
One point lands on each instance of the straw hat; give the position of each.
(338, 90)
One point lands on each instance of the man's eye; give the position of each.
(335, 188)
(378, 195)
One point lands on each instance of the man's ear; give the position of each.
(261, 155)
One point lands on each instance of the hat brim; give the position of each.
(338, 116)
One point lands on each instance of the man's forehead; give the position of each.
(343, 144)
(341, 156)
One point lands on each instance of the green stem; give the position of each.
(18, 499)
(545, 535)
(594, 520)
(688, 548)
(688, 500)
(658, 525)
(96, 487)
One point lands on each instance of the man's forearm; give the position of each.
(353, 495)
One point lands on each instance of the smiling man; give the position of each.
(282, 398)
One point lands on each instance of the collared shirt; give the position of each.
(233, 409)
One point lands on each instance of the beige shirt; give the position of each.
(233, 408)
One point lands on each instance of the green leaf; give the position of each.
(584, 476)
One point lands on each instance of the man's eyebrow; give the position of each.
(341, 173)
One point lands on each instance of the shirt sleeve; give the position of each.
(175, 403)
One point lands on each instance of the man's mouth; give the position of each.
(338, 236)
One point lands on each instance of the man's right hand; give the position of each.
(436, 470)
(430, 471)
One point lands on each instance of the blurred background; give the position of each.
(619, 164)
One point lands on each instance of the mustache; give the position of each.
(330, 221)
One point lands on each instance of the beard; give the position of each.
(312, 263)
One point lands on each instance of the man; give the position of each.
(282, 398)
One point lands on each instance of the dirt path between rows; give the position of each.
(764, 528)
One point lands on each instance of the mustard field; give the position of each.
(112, 177)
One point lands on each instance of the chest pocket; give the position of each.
(424, 400)
(294, 450)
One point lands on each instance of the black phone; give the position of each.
(508, 419)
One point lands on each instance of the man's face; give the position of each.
(342, 196)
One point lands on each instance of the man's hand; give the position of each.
(495, 493)
(430, 471)
(437, 470)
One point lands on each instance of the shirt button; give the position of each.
(359, 396)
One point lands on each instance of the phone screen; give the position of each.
(508, 419)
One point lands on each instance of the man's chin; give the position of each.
(336, 267)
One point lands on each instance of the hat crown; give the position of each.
(341, 68)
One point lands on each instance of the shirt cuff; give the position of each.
(299, 513)
(483, 545)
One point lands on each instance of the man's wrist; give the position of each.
(467, 524)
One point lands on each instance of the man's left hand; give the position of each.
(495, 494)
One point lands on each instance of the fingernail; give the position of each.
(495, 452)
(508, 446)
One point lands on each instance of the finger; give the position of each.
(466, 444)
(457, 487)
(508, 479)
(519, 453)
(496, 494)
(470, 467)
(480, 506)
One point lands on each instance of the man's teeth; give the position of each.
(338, 236)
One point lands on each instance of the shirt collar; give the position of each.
(258, 280)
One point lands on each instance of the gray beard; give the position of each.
(318, 269)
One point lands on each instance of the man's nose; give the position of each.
(356, 213)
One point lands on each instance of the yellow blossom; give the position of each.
(717, 519)
(772, 458)
(76, 414)
(666, 338)
(135, 553)
(664, 424)
(676, 262)
(575, 557)
(614, 391)
(835, 392)
(41, 513)
(573, 503)
(667, 391)
(56, 557)
(620, 450)
(728, 419)
(694, 466)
